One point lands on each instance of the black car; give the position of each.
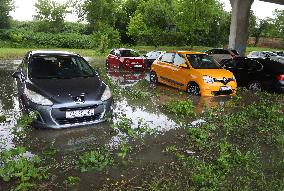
(62, 89)
(256, 73)
(150, 57)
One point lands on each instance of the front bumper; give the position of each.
(215, 89)
(55, 116)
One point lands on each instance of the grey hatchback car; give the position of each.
(62, 89)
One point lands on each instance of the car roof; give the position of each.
(124, 49)
(51, 52)
(189, 52)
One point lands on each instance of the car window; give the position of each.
(59, 67)
(235, 52)
(254, 65)
(116, 53)
(221, 51)
(155, 55)
(112, 52)
(179, 59)
(168, 57)
(148, 55)
(231, 64)
(202, 61)
(24, 65)
(128, 53)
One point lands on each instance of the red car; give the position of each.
(127, 59)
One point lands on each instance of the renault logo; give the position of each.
(225, 80)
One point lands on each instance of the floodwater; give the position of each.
(69, 142)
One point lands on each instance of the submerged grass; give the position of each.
(2, 118)
(96, 160)
(16, 166)
(239, 150)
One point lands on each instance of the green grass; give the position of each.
(18, 53)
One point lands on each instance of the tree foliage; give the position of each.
(279, 22)
(50, 15)
(5, 7)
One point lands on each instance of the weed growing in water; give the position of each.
(15, 166)
(125, 126)
(97, 160)
(180, 108)
(23, 123)
(2, 118)
(124, 150)
(72, 181)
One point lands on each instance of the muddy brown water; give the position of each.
(69, 143)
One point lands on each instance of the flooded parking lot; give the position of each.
(141, 129)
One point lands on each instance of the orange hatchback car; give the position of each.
(194, 72)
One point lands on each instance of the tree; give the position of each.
(196, 18)
(50, 15)
(150, 21)
(279, 22)
(5, 7)
(100, 13)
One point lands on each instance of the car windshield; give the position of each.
(128, 53)
(202, 61)
(270, 54)
(59, 67)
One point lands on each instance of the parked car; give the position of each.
(261, 54)
(278, 59)
(220, 54)
(279, 53)
(195, 72)
(150, 57)
(257, 74)
(123, 58)
(62, 89)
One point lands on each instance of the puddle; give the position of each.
(72, 141)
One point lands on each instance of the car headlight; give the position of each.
(37, 98)
(106, 95)
(234, 78)
(208, 79)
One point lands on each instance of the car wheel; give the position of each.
(153, 77)
(255, 86)
(193, 88)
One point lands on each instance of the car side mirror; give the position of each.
(184, 65)
(17, 75)
(97, 72)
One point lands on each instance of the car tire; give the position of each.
(255, 86)
(153, 77)
(193, 88)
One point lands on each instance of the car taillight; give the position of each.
(280, 77)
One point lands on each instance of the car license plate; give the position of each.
(225, 88)
(137, 66)
(80, 113)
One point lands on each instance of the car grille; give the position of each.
(67, 121)
(227, 92)
(78, 108)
